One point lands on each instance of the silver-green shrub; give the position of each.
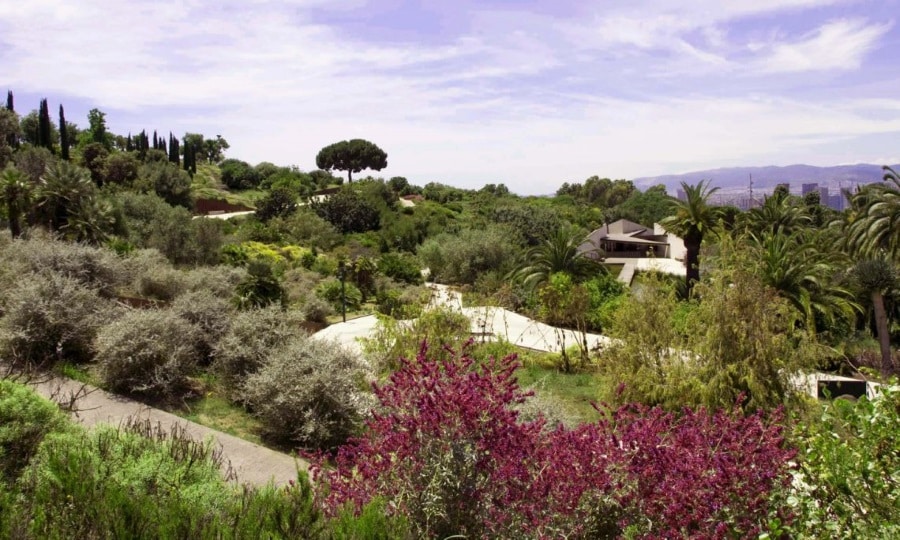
(209, 314)
(148, 352)
(50, 318)
(309, 393)
(253, 336)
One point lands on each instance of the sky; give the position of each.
(467, 92)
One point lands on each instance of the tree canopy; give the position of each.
(351, 156)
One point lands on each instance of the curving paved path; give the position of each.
(487, 322)
(251, 463)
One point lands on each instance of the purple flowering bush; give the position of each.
(447, 450)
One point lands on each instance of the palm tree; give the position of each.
(876, 225)
(878, 277)
(15, 195)
(68, 201)
(559, 253)
(692, 219)
(803, 274)
(777, 214)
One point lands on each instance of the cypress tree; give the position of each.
(173, 149)
(63, 134)
(44, 126)
(155, 141)
(129, 145)
(12, 140)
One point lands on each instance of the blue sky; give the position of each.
(466, 92)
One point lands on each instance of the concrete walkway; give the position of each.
(487, 322)
(251, 463)
(631, 265)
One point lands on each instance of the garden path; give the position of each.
(251, 463)
(488, 322)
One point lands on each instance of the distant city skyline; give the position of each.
(531, 94)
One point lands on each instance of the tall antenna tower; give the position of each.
(750, 205)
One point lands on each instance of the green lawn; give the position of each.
(575, 390)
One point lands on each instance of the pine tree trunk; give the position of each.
(884, 337)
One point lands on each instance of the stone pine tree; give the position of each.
(63, 135)
(44, 132)
(351, 156)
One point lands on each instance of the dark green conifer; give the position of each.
(63, 135)
(9, 101)
(44, 126)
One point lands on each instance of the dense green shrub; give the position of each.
(348, 211)
(237, 174)
(848, 484)
(219, 281)
(393, 339)
(401, 267)
(162, 283)
(308, 393)
(462, 257)
(251, 338)
(148, 352)
(330, 291)
(25, 419)
(259, 288)
(51, 318)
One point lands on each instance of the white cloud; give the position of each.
(837, 45)
(531, 101)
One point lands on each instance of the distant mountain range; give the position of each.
(765, 179)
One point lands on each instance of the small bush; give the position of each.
(25, 419)
(219, 280)
(209, 314)
(95, 268)
(165, 283)
(330, 291)
(401, 267)
(317, 310)
(148, 352)
(252, 337)
(51, 318)
(308, 393)
(259, 288)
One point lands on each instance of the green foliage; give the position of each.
(306, 228)
(152, 223)
(534, 223)
(401, 267)
(394, 339)
(237, 174)
(148, 352)
(259, 288)
(280, 202)
(25, 419)
(167, 181)
(278, 257)
(461, 258)
(848, 483)
(604, 296)
(348, 211)
(308, 393)
(330, 291)
(558, 253)
(647, 207)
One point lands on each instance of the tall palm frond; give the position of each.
(692, 219)
(805, 275)
(558, 253)
(876, 225)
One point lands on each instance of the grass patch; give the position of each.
(83, 374)
(216, 412)
(614, 269)
(576, 390)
